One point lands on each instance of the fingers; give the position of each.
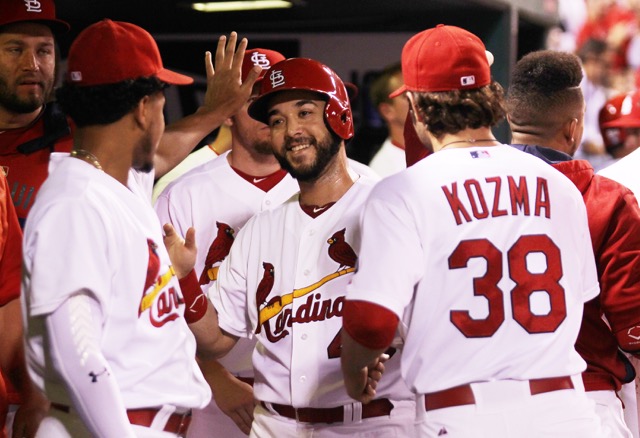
(208, 64)
(190, 238)
(169, 231)
(243, 419)
(239, 54)
(220, 50)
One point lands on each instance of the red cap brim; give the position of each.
(171, 77)
(398, 92)
(623, 122)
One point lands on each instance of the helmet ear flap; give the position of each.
(339, 119)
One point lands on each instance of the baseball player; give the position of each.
(390, 157)
(107, 322)
(624, 125)
(550, 114)
(218, 198)
(12, 360)
(480, 269)
(627, 128)
(284, 279)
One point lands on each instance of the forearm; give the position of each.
(11, 346)
(73, 334)
(356, 357)
(212, 341)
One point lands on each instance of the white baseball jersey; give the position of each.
(625, 171)
(284, 282)
(89, 232)
(217, 201)
(389, 159)
(485, 256)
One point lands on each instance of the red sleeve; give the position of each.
(414, 150)
(194, 299)
(369, 324)
(10, 247)
(614, 222)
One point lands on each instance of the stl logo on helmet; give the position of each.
(277, 78)
(261, 60)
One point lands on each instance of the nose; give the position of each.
(29, 61)
(293, 127)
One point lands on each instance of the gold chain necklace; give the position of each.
(86, 156)
(469, 140)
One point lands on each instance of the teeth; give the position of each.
(299, 147)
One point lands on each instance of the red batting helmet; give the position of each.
(307, 74)
(620, 112)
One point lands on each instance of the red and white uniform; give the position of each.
(89, 232)
(24, 153)
(284, 283)
(10, 266)
(484, 255)
(625, 171)
(217, 201)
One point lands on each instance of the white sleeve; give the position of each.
(391, 260)
(73, 342)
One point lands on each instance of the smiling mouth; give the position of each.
(299, 147)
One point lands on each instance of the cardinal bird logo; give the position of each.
(264, 287)
(153, 268)
(218, 250)
(340, 251)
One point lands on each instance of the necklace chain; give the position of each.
(469, 140)
(86, 156)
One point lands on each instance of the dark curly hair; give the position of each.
(104, 104)
(450, 112)
(545, 89)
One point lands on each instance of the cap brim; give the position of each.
(171, 77)
(623, 122)
(398, 92)
(56, 26)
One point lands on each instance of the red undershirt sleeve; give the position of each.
(369, 324)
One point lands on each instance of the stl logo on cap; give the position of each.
(261, 60)
(277, 78)
(33, 5)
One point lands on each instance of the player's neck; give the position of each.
(251, 162)
(465, 139)
(330, 186)
(12, 120)
(100, 144)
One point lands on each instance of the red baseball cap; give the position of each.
(444, 58)
(44, 11)
(263, 58)
(108, 52)
(628, 114)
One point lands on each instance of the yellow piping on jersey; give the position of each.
(269, 312)
(147, 300)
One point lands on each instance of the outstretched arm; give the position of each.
(213, 342)
(225, 95)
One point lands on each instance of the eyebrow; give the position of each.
(298, 104)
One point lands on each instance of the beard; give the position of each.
(14, 103)
(326, 150)
(263, 147)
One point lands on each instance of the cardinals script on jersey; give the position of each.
(475, 195)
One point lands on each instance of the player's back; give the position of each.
(502, 264)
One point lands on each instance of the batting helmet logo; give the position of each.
(277, 78)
